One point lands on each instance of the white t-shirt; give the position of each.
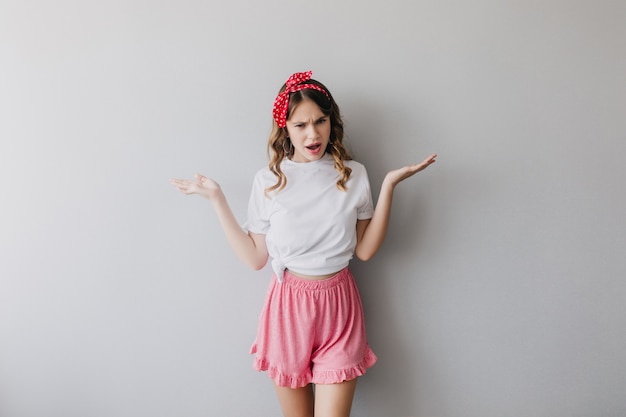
(310, 225)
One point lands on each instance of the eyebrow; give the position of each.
(316, 120)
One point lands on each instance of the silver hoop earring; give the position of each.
(289, 149)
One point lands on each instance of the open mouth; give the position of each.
(315, 147)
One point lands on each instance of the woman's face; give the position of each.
(309, 130)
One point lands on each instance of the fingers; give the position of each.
(177, 183)
(199, 177)
(430, 160)
(410, 170)
(183, 186)
(180, 183)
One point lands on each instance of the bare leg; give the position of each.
(296, 402)
(334, 400)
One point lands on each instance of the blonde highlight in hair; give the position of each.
(279, 146)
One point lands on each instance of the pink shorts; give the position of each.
(312, 331)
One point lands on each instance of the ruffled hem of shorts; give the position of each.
(278, 377)
(333, 376)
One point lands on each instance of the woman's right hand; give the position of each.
(202, 185)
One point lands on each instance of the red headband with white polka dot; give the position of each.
(281, 104)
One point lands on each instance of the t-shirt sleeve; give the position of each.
(366, 208)
(258, 217)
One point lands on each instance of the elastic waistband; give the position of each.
(316, 284)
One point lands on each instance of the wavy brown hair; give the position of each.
(279, 146)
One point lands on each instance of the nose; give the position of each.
(312, 131)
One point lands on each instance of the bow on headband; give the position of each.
(281, 104)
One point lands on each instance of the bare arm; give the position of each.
(249, 247)
(371, 233)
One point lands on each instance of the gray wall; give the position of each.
(499, 291)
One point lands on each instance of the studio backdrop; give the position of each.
(500, 289)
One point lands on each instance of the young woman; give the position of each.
(311, 210)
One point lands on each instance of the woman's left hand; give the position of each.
(396, 176)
